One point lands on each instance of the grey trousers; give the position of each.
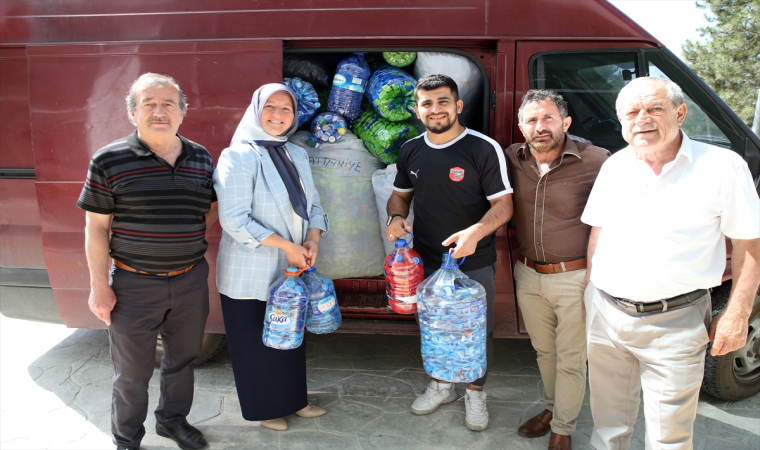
(177, 307)
(486, 276)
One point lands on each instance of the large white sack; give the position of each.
(382, 182)
(342, 173)
(466, 74)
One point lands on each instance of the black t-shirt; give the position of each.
(452, 185)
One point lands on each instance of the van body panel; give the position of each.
(41, 21)
(20, 225)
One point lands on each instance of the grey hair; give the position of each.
(539, 95)
(675, 93)
(149, 79)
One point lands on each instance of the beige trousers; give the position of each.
(553, 311)
(663, 354)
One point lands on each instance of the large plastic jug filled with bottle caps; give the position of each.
(286, 311)
(403, 273)
(452, 315)
(322, 311)
(348, 86)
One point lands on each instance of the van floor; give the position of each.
(56, 388)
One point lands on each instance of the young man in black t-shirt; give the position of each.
(459, 180)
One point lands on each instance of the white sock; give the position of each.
(470, 391)
(444, 386)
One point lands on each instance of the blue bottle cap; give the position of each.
(292, 269)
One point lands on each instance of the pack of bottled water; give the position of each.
(308, 102)
(452, 316)
(403, 273)
(286, 311)
(328, 127)
(322, 311)
(348, 87)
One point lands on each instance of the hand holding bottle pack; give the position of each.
(452, 315)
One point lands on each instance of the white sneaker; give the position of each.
(475, 410)
(435, 395)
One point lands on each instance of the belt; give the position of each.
(173, 273)
(544, 267)
(643, 308)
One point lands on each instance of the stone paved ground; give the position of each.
(55, 393)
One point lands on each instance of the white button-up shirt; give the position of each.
(663, 235)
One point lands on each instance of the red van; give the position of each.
(65, 68)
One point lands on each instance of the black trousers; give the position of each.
(177, 307)
(270, 383)
(487, 277)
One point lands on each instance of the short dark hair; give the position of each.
(434, 81)
(539, 95)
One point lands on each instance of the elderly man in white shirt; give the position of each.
(659, 211)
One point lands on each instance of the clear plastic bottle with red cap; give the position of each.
(286, 311)
(403, 273)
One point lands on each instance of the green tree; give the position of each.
(729, 59)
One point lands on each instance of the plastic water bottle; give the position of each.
(286, 311)
(322, 311)
(452, 314)
(403, 273)
(348, 86)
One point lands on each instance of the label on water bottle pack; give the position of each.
(410, 299)
(278, 318)
(354, 84)
(326, 304)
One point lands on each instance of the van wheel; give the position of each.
(212, 343)
(737, 375)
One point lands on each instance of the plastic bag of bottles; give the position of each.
(391, 92)
(382, 137)
(308, 102)
(311, 71)
(399, 59)
(328, 127)
(403, 273)
(322, 311)
(286, 311)
(452, 315)
(348, 86)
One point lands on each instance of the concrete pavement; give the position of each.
(55, 387)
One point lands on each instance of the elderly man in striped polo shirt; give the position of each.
(153, 191)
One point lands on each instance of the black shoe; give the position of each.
(126, 447)
(185, 435)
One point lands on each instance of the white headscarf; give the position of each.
(250, 128)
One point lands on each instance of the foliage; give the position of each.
(729, 59)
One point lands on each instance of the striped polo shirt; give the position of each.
(158, 210)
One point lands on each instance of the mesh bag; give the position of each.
(382, 137)
(391, 92)
(308, 102)
(399, 59)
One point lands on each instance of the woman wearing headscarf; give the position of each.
(271, 217)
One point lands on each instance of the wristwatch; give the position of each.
(390, 218)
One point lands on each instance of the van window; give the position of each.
(697, 125)
(590, 83)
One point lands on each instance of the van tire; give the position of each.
(737, 375)
(212, 343)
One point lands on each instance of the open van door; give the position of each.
(76, 98)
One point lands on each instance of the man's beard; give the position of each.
(442, 128)
(546, 146)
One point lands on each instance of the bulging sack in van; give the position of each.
(466, 74)
(328, 127)
(308, 102)
(391, 92)
(342, 173)
(399, 59)
(382, 183)
(382, 137)
(348, 86)
(312, 71)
